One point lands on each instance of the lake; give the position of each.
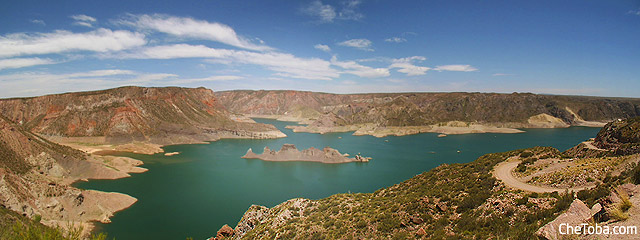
(194, 193)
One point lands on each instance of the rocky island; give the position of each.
(289, 152)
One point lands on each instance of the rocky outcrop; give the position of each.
(621, 136)
(578, 213)
(289, 152)
(260, 215)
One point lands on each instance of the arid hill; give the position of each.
(35, 178)
(372, 112)
(158, 115)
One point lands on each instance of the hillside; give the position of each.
(457, 201)
(396, 113)
(35, 178)
(131, 114)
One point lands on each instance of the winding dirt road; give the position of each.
(503, 171)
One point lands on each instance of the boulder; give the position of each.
(577, 214)
(224, 232)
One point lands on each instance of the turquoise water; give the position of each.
(208, 185)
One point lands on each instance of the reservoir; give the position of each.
(205, 186)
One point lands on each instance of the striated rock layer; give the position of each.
(289, 152)
(164, 116)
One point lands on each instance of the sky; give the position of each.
(578, 47)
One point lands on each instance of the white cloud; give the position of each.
(501, 74)
(406, 65)
(350, 10)
(151, 77)
(322, 47)
(285, 64)
(207, 79)
(99, 73)
(174, 51)
(38, 21)
(100, 40)
(355, 68)
(86, 24)
(24, 62)
(83, 20)
(456, 68)
(327, 13)
(360, 43)
(634, 12)
(409, 68)
(192, 28)
(395, 40)
(40, 83)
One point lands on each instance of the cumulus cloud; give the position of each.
(327, 13)
(191, 28)
(24, 62)
(100, 40)
(456, 68)
(359, 43)
(407, 66)
(322, 47)
(357, 69)
(283, 63)
(395, 40)
(83, 20)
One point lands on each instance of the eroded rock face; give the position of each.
(421, 109)
(577, 214)
(35, 178)
(622, 136)
(159, 115)
(289, 152)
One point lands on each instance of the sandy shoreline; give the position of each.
(365, 129)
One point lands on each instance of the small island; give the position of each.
(289, 152)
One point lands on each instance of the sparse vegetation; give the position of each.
(14, 226)
(450, 201)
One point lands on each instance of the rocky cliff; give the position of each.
(617, 138)
(289, 153)
(351, 112)
(159, 115)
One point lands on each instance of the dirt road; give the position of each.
(503, 171)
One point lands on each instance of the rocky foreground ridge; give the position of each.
(289, 153)
(383, 114)
(35, 178)
(459, 201)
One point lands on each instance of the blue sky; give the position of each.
(350, 46)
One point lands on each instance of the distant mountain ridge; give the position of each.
(160, 115)
(419, 109)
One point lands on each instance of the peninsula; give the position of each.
(289, 153)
